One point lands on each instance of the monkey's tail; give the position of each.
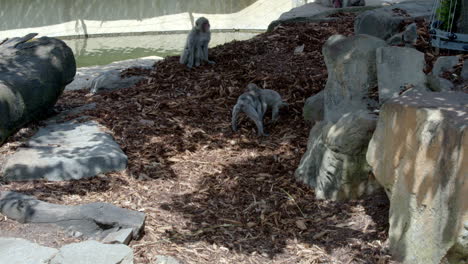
(235, 113)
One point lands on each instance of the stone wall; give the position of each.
(102, 17)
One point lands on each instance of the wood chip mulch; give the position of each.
(213, 196)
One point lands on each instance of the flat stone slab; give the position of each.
(93, 252)
(21, 251)
(94, 220)
(85, 75)
(65, 151)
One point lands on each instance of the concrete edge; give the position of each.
(81, 36)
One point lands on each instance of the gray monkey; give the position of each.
(196, 47)
(249, 103)
(268, 99)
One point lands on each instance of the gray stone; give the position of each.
(334, 163)
(65, 151)
(160, 259)
(21, 251)
(33, 74)
(352, 133)
(94, 220)
(408, 37)
(397, 69)
(384, 22)
(464, 72)
(123, 236)
(311, 161)
(313, 108)
(439, 84)
(314, 12)
(351, 74)
(419, 154)
(93, 252)
(445, 64)
(85, 75)
(396, 40)
(348, 3)
(112, 80)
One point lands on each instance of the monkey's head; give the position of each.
(202, 24)
(337, 3)
(252, 87)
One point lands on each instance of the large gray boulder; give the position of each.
(386, 21)
(398, 69)
(21, 251)
(94, 220)
(33, 74)
(419, 154)
(352, 74)
(334, 163)
(65, 151)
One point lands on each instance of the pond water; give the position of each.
(104, 50)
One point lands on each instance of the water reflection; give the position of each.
(104, 50)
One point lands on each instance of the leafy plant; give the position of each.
(448, 13)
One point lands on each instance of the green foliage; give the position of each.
(448, 13)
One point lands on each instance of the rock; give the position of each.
(94, 220)
(352, 74)
(352, 133)
(93, 252)
(384, 22)
(33, 74)
(464, 72)
(313, 108)
(334, 163)
(111, 80)
(313, 12)
(21, 251)
(299, 49)
(348, 3)
(65, 151)
(311, 161)
(439, 84)
(85, 75)
(419, 154)
(166, 260)
(445, 64)
(397, 69)
(409, 36)
(123, 236)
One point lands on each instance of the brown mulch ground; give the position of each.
(213, 196)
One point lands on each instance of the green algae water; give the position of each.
(105, 50)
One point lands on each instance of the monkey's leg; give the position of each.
(205, 55)
(235, 113)
(275, 113)
(252, 114)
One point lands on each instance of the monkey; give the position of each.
(249, 103)
(196, 47)
(268, 99)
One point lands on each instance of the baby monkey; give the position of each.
(254, 103)
(269, 99)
